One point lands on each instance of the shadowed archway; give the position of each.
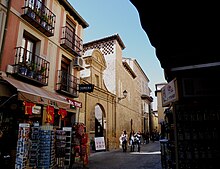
(99, 121)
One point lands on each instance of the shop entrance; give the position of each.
(10, 113)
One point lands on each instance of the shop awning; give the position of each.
(37, 95)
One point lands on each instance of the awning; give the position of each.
(37, 95)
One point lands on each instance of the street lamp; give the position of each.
(125, 93)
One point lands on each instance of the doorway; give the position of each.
(99, 121)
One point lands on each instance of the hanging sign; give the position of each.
(169, 93)
(74, 103)
(86, 87)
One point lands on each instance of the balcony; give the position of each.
(30, 67)
(71, 42)
(67, 84)
(39, 16)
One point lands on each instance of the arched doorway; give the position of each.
(99, 121)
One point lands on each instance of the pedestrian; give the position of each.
(138, 140)
(124, 140)
(147, 137)
(131, 139)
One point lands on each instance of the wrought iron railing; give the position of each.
(31, 66)
(71, 42)
(67, 83)
(39, 16)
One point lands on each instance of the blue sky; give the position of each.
(108, 17)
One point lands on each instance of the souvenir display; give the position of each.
(46, 157)
(68, 146)
(60, 147)
(197, 136)
(42, 147)
(80, 145)
(22, 146)
(34, 146)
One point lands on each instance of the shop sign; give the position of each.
(36, 109)
(99, 143)
(86, 87)
(74, 103)
(169, 93)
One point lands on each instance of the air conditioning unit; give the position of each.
(10, 69)
(2, 73)
(78, 63)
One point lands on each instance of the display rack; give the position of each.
(22, 146)
(68, 152)
(60, 148)
(46, 158)
(34, 146)
(168, 158)
(197, 131)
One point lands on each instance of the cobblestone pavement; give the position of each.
(148, 158)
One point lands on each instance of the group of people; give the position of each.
(133, 140)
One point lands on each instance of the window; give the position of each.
(65, 70)
(37, 3)
(70, 31)
(97, 80)
(28, 49)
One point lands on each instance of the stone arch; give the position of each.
(100, 120)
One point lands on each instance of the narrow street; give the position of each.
(148, 158)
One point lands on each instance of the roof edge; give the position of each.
(73, 12)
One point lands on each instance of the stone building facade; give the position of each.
(98, 106)
(118, 76)
(143, 99)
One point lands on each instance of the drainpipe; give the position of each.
(5, 30)
(85, 108)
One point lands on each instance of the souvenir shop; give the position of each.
(39, 132)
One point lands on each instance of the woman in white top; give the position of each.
(132, 140)
(124, 140)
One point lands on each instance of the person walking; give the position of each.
(124, 140)
(147, 135)
(132, 142)
(138, 140)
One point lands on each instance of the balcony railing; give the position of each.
(67, 84)
(38, 15)
(71, 42)
(30, 67)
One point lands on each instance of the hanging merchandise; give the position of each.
(50, 114)
(84, 149)
(80, 145)
(80, 130)
(63, 113)
(28, 107)
(77, 152)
